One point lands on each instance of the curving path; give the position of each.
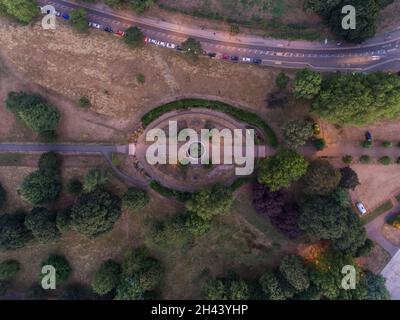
(380, 53)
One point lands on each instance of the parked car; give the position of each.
(58, 13)
(179, 48)
(257, 61)
(108, 29)
(368, 136)
(120, 33)
(234, 58)
(245, 59)
(212, 54)
(171, 46)
(94, 25)
(65, 16)
(361, 208)
(225, 56)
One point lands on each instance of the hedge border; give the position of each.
(242, 115)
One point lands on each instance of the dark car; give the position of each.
(257, 61)
(65, 16)
(234, 58)
(212, 54)
(108, 29)
(179, 48)
(368, 136)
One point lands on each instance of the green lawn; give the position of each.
(385, 207)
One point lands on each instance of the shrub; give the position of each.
(9, 269)
(63, 269)
(319, 144)
(169, 193)
(140, 78)
(41, 186)
(347, 159)
(95, 178)
(84, 102)
(282, 80)
(79, 21)
(74, 186)
(365, 159)
(63, 219)
(135, 199)
(366, 144)
(387, 144)
(385, 160)
(107, 277)
(134, 37)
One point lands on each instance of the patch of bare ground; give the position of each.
(391, 234)
(378, 183)
(376, 260)
(104, 69)
(389, 17)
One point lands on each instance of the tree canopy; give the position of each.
(79, 20)
(9, 269)
(42, 223)
(295, 272)
(297, 132)
(307, 84)
(95, 212)
(95, 178)
(192, 48)
(135, 199)
(13, 233)
(281, 170)
(134, 37)
(23, 10)
(60, 263)
(321, 178)
(359, 99)
(349, 178)
(107, 277)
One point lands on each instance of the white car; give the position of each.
(171, 45)
(246, 59)
(361, 208)
(94, 25)
(162, 44)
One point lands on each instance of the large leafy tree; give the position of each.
(42, 223)
(23, 10)
(130, 289)
(359, 99)
(61, 264)
(210, 203)
(283, 215)
(135, 199)
(271, 286)
(349, 178)
(41, 186)
(95, 213)
(226, 289)
(95, 178)
(134, 37)
(107, 277)
(13, 233)
(192, 48)
(282, 169)
(307, 84)
(376, 289)
(295, 272)
(34, 111)
(297, 132)
(321, 178)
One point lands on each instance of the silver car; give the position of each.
(361, 208)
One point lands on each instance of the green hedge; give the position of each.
(245, 116)
(170, 193)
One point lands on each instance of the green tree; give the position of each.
(79, 21)
(215, 289)
(282, 169)
(294, 271)
(297, 132)
(41, 186)
(13, 233)
(359, 99)
(135, 199)
(282, 80)
(321, 178)
(271, 286)
(63, 219)
(238, 290)
(349, 178)
(95, 213)
(130, 289)
(63, 269)
(376, 287)
(134, 37)
(9, 269)
(42, 223)
(210, 203)
(107, 277)
(84, 102)
(23, 10)
(307, 84)
(192, 48)
(95, 178)
(74, 186)
(196, 225)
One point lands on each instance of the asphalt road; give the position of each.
(380, 53)
(64, 148)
